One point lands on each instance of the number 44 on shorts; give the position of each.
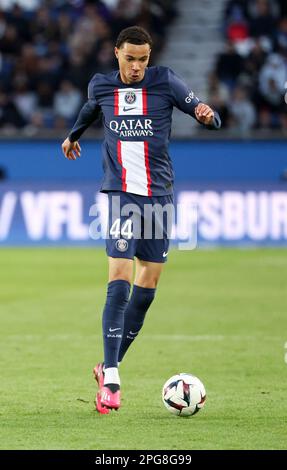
(124, 231)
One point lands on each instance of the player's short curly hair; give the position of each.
(134, 35)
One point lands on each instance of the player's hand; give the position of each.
(204, 113)
(71, 150)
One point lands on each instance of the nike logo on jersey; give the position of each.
(133, 333)
(164, 254)
(125, 109)
(113, 329)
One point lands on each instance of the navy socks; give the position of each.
(123, 318)
(134, 316)
(113, 320)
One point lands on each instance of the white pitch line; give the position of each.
(143, 336)
(185, 337)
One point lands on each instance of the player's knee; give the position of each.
(149, 282)
(154, 282)
(120, 275)
(120, 270)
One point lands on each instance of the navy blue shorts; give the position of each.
(139, 226)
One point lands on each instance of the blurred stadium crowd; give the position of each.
(248, 83)
(49, 50)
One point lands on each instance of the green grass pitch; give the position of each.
(220, 315)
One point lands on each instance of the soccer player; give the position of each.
(136, 102)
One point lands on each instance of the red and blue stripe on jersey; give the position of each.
(133, 155)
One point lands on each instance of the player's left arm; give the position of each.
(185, 100)
(205, 115)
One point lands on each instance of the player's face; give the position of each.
(133, 60)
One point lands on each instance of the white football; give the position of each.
(183, 394)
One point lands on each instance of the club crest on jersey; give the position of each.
(122, 245)
(130, 97)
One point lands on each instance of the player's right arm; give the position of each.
(71, 150)
(87, 115)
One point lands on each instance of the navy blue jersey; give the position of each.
(137, 124)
